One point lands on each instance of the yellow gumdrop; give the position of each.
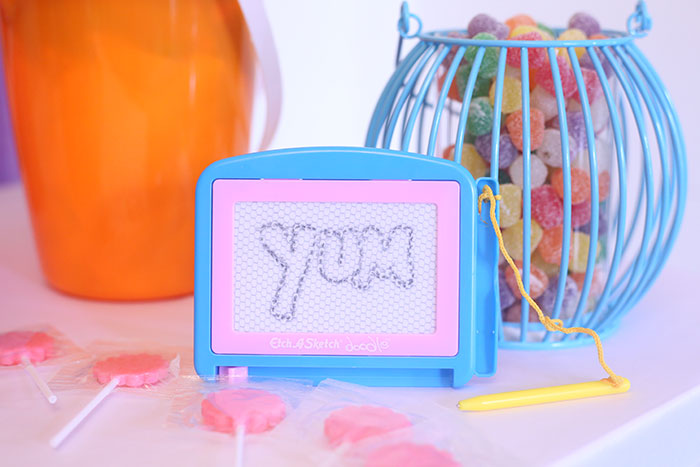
(573, 35)
(578, 252)
(471, 160)
(512, 95)
(510, 207)
(552, 270)
(513, 238)
(546, 36)
(522, 29)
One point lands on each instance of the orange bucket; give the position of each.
(117, 106)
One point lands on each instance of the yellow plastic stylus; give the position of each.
(565, 392)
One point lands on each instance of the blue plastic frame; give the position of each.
(478, 301)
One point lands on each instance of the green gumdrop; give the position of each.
(489, 64)
(481, 87)
(480, 118)
(503, 177)
(546, 29)
(469, 138)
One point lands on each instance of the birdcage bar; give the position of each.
(449, 77)
(461, 126)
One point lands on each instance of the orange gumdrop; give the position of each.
(580, 185)
(514, 124)
(520, 20)
(603, 185)
(597, 283)
(538, 280)
(550, 245)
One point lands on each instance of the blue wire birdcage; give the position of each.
(416, 113)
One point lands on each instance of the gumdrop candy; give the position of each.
(547, 208)
(602, 223)
(506, 151)
(592, 84)
(355, 423)
(546, 102)
(524, 29)
(538, 171)
(510, 206)
(550, 151)
(513, 238)
(597, 282)
(578, 253)
(551, 269)
(550, 34)
(485, 23)
(538, 280)
(536, 57)
(503, 177)
(547, 300)
(514, 124)
(549, 247)
(600, 115)
(573, 35)
(585, 61)
(471, 160)
(576, 128)
(585, 22)
(489, 63)
(544, 78)
(505, 294)
(481, 85)
(407, 454)
(480, 118)
(580, 214)
(580, 184)
(520, 20)
(514, 312)
(453, 92)
(511, 97)
(603, 185)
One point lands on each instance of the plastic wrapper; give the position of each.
(42, 345)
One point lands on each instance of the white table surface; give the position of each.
(657, 348)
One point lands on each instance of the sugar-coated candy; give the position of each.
(132, 370)
(544, 78)
(573, 35)
(586, 62)
(538, 171)
(35, 346)
(592, 85)
(551, 269)
(503, 177)
(602, 223)
(580, 214)
(453, 92)
(546, 29)
(505, 295)
(514, 124)
(480, 118)
(547, 300)
(580, 184)
(471, 160)
(513, 313)
(603, 185)
(585, 22)
(513, 238)
(258, 411)
(453, 49)
(407, 454)
(546, 102)
(576, 128)
(578, 253)
(510, 206)
(506, 151)
(524, 29)
(519, 20)
(547, 208)
(358, 422)
(549, 247)
(481, 85)
(538, 280)
(489, 62)
(536, 56)
(600, 115)
(597, 281)
(485, 23)
(511, 97)
(550, 151)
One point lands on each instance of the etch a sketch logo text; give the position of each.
(358, 256)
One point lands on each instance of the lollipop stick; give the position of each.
(240, 435)
(40, 383)
(80, 416)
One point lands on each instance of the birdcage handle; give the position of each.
(639, 22)
(405, 22)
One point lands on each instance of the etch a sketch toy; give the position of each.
(365, 265)
(380, 266)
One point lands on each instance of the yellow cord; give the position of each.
(549, 324)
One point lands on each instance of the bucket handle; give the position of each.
(263, 42)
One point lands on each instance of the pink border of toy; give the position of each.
(445, 195)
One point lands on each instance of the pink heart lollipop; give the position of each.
(410, 455)
(242, 411)
(357, 422)
(27, 348)
(132, 370)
